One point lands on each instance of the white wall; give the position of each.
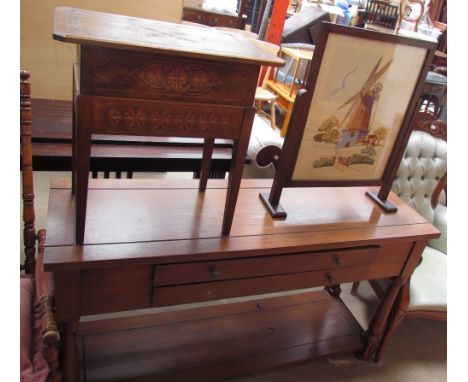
(49, 61)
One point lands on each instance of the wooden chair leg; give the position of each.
(287, 117)
(259, 105)
(273, 114)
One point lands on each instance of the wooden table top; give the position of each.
(118, 31)
(299, 54)
(146, 221)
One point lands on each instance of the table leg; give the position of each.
(208, 146)
(396, 317)
(69, 352)
(74, 137)
(67, 313)
(379, 322)
(82, 160)
(73, 158)
(239, 154)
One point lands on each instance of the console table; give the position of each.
(157, 243)
(152, 78)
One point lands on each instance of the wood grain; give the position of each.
(179, 345)
(157, 243)
(105, 29)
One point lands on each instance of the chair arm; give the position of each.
(440, 222)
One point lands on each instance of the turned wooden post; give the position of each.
(29, 231)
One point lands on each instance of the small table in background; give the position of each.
(285, 84)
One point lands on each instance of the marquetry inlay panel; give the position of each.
(165, 119)
(148, 76)
(182, 79)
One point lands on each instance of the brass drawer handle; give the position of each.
(214, 272)
(338, 261)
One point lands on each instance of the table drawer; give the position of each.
(206, 291)
(184, 273)
(144, 75)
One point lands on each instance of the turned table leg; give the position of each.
(379, 321)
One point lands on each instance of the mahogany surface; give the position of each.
(105, 29)
(157, 243)
(144, 77)
(115, 217)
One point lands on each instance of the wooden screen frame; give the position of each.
(293, 139)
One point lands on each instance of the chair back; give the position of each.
(29, 230)
(422, 173)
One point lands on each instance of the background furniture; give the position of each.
(412, 12)
(433, 96)
(49, 62)
(262, 94)
(38, 329)
(214, 17)
(380, 14)
(264, 151)
(304, 26)
(189, 261)
(288, 81)
(155, 93)
(421, 177)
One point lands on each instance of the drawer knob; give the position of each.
(338, 261)
(330, 278)
(214, 272)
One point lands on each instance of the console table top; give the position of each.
(139, 220)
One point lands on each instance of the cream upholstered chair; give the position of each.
(421, 176)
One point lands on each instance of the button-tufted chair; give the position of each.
(421, 177)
